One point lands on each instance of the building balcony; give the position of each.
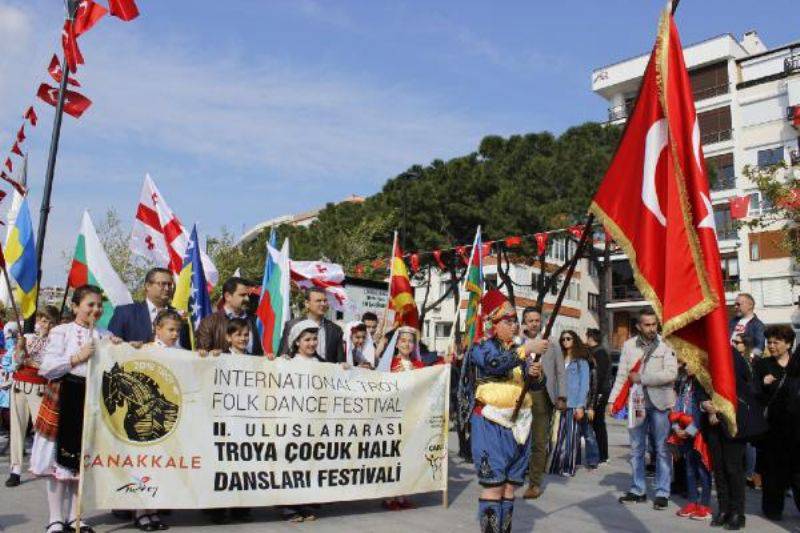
(617, 113)
(716, 136)
(625, 293)
(791, 64)
(710, 92)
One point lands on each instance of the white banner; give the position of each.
(164, 428)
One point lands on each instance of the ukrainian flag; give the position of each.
(21, 259)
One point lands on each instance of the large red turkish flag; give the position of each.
(654, 200)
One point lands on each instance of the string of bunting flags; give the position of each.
(87, 14)
(463, 251)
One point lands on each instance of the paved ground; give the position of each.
(584, 503)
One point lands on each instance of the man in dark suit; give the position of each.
(211, 333)
(134, 322)
(330, 336)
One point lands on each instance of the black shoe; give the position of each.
(719, 519)
(660, 503)
(13, 480)
(631, 497)
(773, 517)
(735, 522)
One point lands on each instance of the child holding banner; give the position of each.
(57, 449)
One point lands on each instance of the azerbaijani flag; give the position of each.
(21, 259)
(401, 296)
(473, 284)
(90, 265)
(191, 291)
(273, 308)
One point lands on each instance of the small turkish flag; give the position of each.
(462, 253)
(576, 231)
(56, 72)
(739, 206)
(437, 255)
(15, 149)
(87, 15)
(9, 165)
(790, 200)
(14, 183)
(21, 133)
(796, 116)
(511, 242)
(359, 269)
(414, 260)
(69, 41)
(541, 243)
(30, 115)
(486, 249)
(74, 103)
(123, 9)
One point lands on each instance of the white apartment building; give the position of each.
(744, 94)
(578, 311)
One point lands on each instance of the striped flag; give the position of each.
(401, 295)
(90, 264)
(273, 308)
(21, 259)
(473, 284)
(191, 291)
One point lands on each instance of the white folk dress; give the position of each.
(63, 342)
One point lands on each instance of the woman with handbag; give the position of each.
(778, 458)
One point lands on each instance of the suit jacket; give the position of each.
(334, 340)
(554, 370)
(211, 334)
(131, 323)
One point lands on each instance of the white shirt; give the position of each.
(151, 307)
(63, 342)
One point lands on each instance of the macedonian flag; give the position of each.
(401, 295)
(654, 200)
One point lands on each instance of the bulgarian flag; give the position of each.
(273, 308)
(401, 296)
(90, 265)
(473, 284)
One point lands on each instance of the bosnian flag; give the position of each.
(90, 264)
(159, 236)
(328, 276)
(273, 308)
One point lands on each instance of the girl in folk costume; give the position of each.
(574, 421)
(493, 378)
(406, 350)
(359, 348)
(57, 445)
(28, 386)
(406, 357)
(302, 347)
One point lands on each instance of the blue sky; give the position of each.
(245, 110)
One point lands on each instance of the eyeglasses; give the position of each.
(163, 284)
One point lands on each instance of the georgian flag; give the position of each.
(159, 236)
(328, 276)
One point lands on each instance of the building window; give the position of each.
(722, 220)
(557, 250)
(722, 167)
(709, 81)
(427, 328)
(730, 272)
(755, 251)
(772, 156)
(443, 329)
(759, 204)
(444, 286)
(594, 302)
(715, 125)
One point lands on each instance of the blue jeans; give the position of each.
(657, 424)
(586, 431)
(698, 479)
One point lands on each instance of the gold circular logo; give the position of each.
(141, 401)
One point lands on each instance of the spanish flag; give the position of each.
(21, 259)
(401, 295)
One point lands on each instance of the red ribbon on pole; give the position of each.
(414, 260)
(541, 242)
(437, 255)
